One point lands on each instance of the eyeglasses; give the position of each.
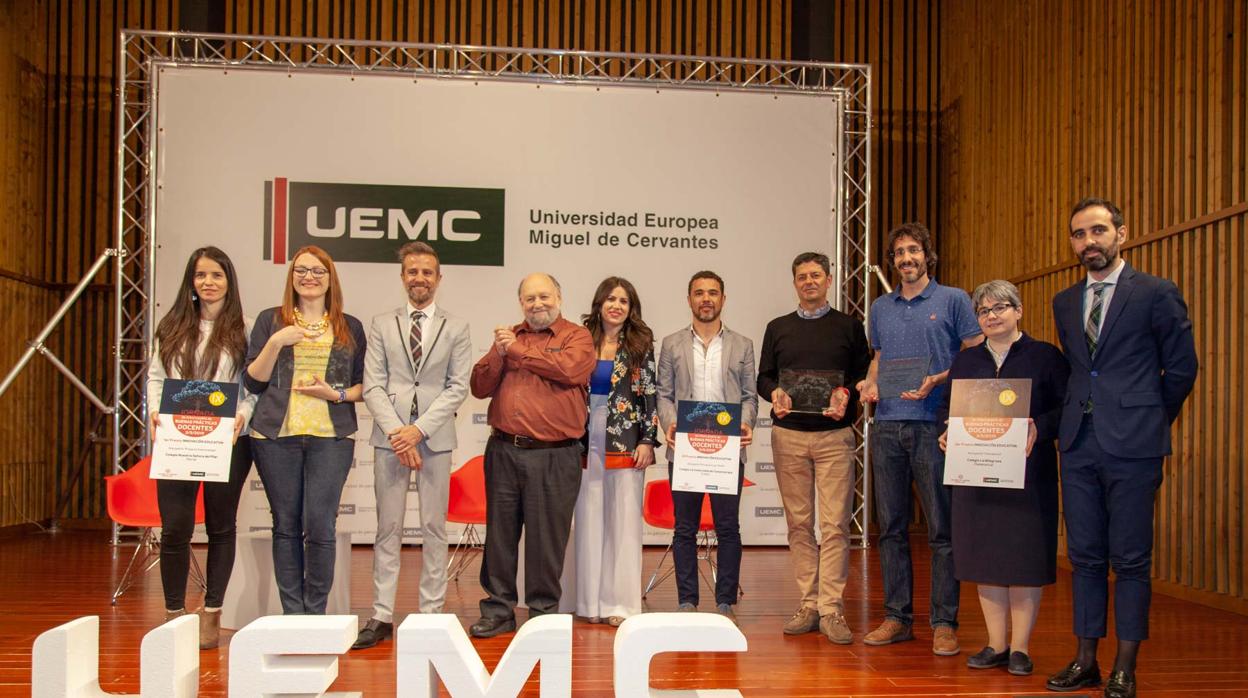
(994, 310)
(316, 272)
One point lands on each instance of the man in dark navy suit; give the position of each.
(1133, 363)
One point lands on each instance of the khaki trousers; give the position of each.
(817, 466)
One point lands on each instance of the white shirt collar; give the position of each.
(428, 310)
(1112, 279)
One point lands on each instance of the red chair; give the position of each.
(658, 510)
(466, 505)
(131, 500)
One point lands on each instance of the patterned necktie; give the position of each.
(414, 342)
(1092, 332)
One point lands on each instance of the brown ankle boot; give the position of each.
(209, 629)
(170, 615)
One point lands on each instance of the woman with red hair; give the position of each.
(306, 362)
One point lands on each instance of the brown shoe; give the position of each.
(209, 629)
(890, 631)
(806, 620)
(170, 615)
(945, 641)
(615, 621)
(834, 627)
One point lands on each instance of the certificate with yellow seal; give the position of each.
(707, 452)
(986, 445)
(196, 432)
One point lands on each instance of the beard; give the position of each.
(1103, 260)
(542, 319)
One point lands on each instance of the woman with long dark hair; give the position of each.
(620, 439)
(202, 337)
(306, 362)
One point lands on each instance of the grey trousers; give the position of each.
(391, 481)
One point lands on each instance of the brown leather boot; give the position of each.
(209, 629)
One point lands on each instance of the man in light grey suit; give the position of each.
(415, 378)
(707, 362)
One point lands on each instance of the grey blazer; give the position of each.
(676, 376)
(440, 383)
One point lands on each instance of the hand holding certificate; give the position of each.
(989, 433)
(707, 447)
(195, 432)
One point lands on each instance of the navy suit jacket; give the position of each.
(1144, 368)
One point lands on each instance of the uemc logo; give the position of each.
(762, 512)
(763, 467)
(367, 222)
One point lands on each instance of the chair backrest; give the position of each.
(466, 498)
(131, 497)
(656, 505)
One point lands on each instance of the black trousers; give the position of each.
(533, 490)
(176, 499)
(725, 510)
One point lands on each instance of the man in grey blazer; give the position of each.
(415, 378)
(707, 362)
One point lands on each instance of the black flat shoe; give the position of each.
(1074, 677)
(1020, 664)
(489, 627)
(1120, 685)
(987, 659)
(374, 631)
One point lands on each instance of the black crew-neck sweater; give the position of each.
(835, 341)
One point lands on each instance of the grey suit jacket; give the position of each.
(676, 376)
(440, 383)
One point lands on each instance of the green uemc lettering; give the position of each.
(368, 222)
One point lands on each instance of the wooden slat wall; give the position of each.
(58, 162)
(901, 43)
(1044, 102)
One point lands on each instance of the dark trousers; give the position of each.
(903, 452)
(1108, 505)
(303, 478)
(725, 511)
(534, 491)
(176, 500)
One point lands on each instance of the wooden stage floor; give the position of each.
(47, 579)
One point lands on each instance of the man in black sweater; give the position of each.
(810, 361)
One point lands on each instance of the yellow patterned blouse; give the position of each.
(307, 415)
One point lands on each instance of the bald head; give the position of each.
(540, 299)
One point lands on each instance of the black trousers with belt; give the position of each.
(532, 490)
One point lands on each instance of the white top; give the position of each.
(428, 310)
(227, 372)
(708, 367)
(1111, 281)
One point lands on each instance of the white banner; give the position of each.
(504, 178)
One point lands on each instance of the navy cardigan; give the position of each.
(346, 368)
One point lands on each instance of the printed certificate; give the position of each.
(708, 447)
(196, 432)
(986, 445)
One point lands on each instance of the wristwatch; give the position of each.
(342, 397)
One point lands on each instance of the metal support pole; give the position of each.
(37, 346)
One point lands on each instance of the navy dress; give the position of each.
(1008, 537)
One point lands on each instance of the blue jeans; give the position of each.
(902, 452)
(303, 478)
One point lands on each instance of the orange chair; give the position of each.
(466, 505)
(131, 500)
(658, 510)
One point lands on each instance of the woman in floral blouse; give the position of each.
(620, 440)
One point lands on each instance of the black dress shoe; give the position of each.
(1020, 664)
(374, 631)
(1074, 677)
(987, 659)
(1120, 685)
(489, 627)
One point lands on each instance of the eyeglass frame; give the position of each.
(997, 309)
(302, 272)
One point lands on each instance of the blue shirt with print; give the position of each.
(933, 323)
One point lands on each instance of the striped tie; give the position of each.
(1092, 332)
(414, 341)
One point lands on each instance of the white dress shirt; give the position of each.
(708, 367)
(1111, 282)
(428, 310)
